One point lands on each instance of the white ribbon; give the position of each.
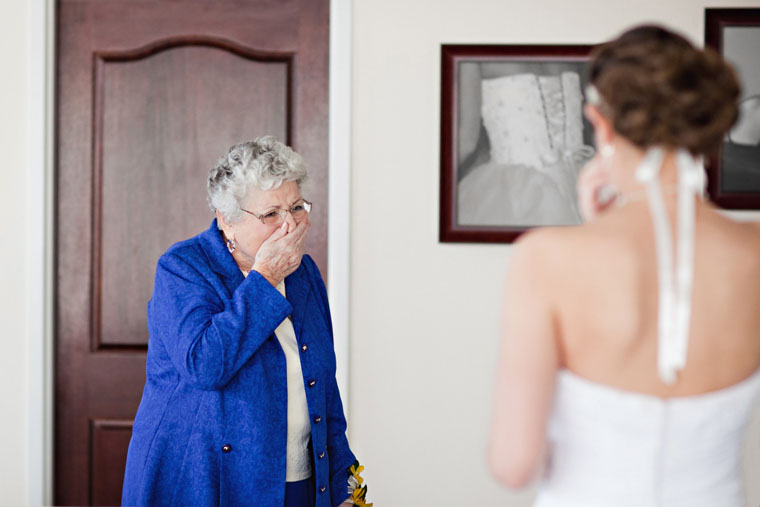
(674, 291)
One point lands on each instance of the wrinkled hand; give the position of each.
(595, 190)
(280, 254)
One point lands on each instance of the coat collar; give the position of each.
(220, 259)
(297, 286)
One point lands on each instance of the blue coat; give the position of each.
(212, 424)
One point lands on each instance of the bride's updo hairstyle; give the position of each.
(656, 88)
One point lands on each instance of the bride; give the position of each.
(630, 353)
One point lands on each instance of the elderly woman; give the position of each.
(240, 405)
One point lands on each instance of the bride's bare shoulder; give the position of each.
(539, 238)
(550, 238)
(549, 246)
(734, 239)
(735, 228)
(753, 229)
(562, 252)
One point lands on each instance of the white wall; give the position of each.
(424, 315)
(13, 122)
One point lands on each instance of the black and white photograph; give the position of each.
(518, 138)
(741, 150)
(735, 175)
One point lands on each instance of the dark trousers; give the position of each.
(300, 493)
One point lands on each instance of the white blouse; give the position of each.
(299, 428)
(298, 465)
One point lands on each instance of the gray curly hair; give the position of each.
(264, 163)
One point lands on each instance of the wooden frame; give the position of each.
(731, 183)
(539, 61)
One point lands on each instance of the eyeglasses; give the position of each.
(277, 216)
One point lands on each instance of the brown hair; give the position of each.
(658, 89)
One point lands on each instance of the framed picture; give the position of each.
(513, 139)
(734, 174)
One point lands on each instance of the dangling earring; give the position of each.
(231, 245)
(607, 151)
(607, 193)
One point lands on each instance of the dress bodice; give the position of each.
(533, 120)
(535, 130)
(613, 447)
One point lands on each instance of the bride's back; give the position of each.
(606, 301)
(588, 352)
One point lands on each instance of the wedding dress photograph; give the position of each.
(533, 125)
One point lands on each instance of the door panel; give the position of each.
(150, 94)
(151, 111)
(110, 439)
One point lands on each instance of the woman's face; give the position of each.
(249, 232)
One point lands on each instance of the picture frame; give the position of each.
(513, 138)
(733, 175)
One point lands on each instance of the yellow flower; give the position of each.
(358, 500)
(359, 493)
(355, 474)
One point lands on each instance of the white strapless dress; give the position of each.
(610, 447)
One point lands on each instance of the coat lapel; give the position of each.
(298, 293)
(222, 261)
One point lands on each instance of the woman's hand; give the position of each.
(595, 190)
(280, 254)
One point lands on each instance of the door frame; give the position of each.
(40, 225)
(40, 145)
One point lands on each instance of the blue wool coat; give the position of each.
(212, 424)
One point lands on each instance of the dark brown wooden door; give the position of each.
(150, 94)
